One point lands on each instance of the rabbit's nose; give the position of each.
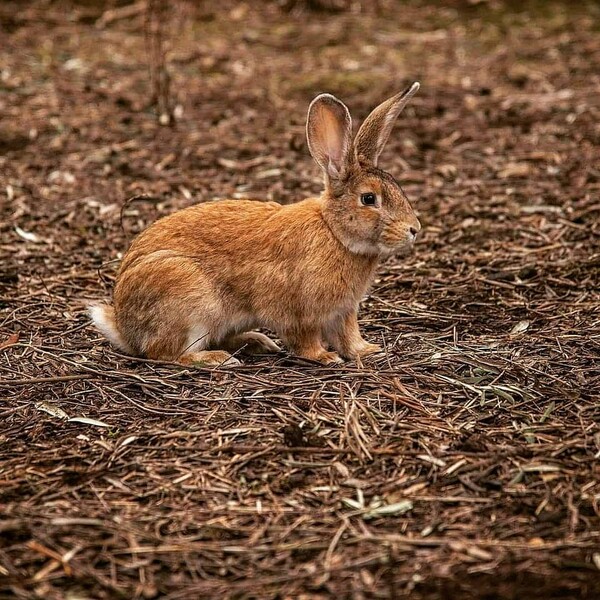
(415, 228)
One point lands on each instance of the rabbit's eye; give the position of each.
(368, 199)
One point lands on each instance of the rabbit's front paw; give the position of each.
(369, 349)
(361, 350)
(329, 358)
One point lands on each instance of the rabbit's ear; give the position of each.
(375, 130)
(329, 133)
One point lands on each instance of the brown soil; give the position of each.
(479, 427)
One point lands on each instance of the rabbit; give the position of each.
(194, 284)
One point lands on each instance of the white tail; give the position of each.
(104, 320)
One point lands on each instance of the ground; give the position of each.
(461, 463)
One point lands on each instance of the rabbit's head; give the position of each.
(364, 206)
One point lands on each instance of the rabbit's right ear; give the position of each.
(375, 131)
(329, 133)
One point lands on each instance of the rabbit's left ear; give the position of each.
(329, 133)
(376, 129)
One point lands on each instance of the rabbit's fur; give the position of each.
(194, 284)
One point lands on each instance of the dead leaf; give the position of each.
(27, 236)
(12, 339)
(87, 421)
(479, 553)
(52, 409)
(389, 510)
(515, 170)
(413, 489)
(520, 327)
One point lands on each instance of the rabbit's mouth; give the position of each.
(387, 245)
(395, 242)
(400, 249)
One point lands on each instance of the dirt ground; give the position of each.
(462, 463)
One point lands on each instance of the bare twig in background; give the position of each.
(155, 28)
(122, 12)
(330, 6)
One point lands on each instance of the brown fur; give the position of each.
(194, 283)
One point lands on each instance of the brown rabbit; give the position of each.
(195, 283)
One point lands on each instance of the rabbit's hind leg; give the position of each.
(209, 358)
(189, 350)
(163, 305)
(196, 353)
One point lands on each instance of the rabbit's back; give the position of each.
(203, 231)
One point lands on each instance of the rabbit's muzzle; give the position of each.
(400, 236)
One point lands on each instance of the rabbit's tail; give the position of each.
(103, 317)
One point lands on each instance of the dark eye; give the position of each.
(368, 199)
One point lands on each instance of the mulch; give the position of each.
(461, 463)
